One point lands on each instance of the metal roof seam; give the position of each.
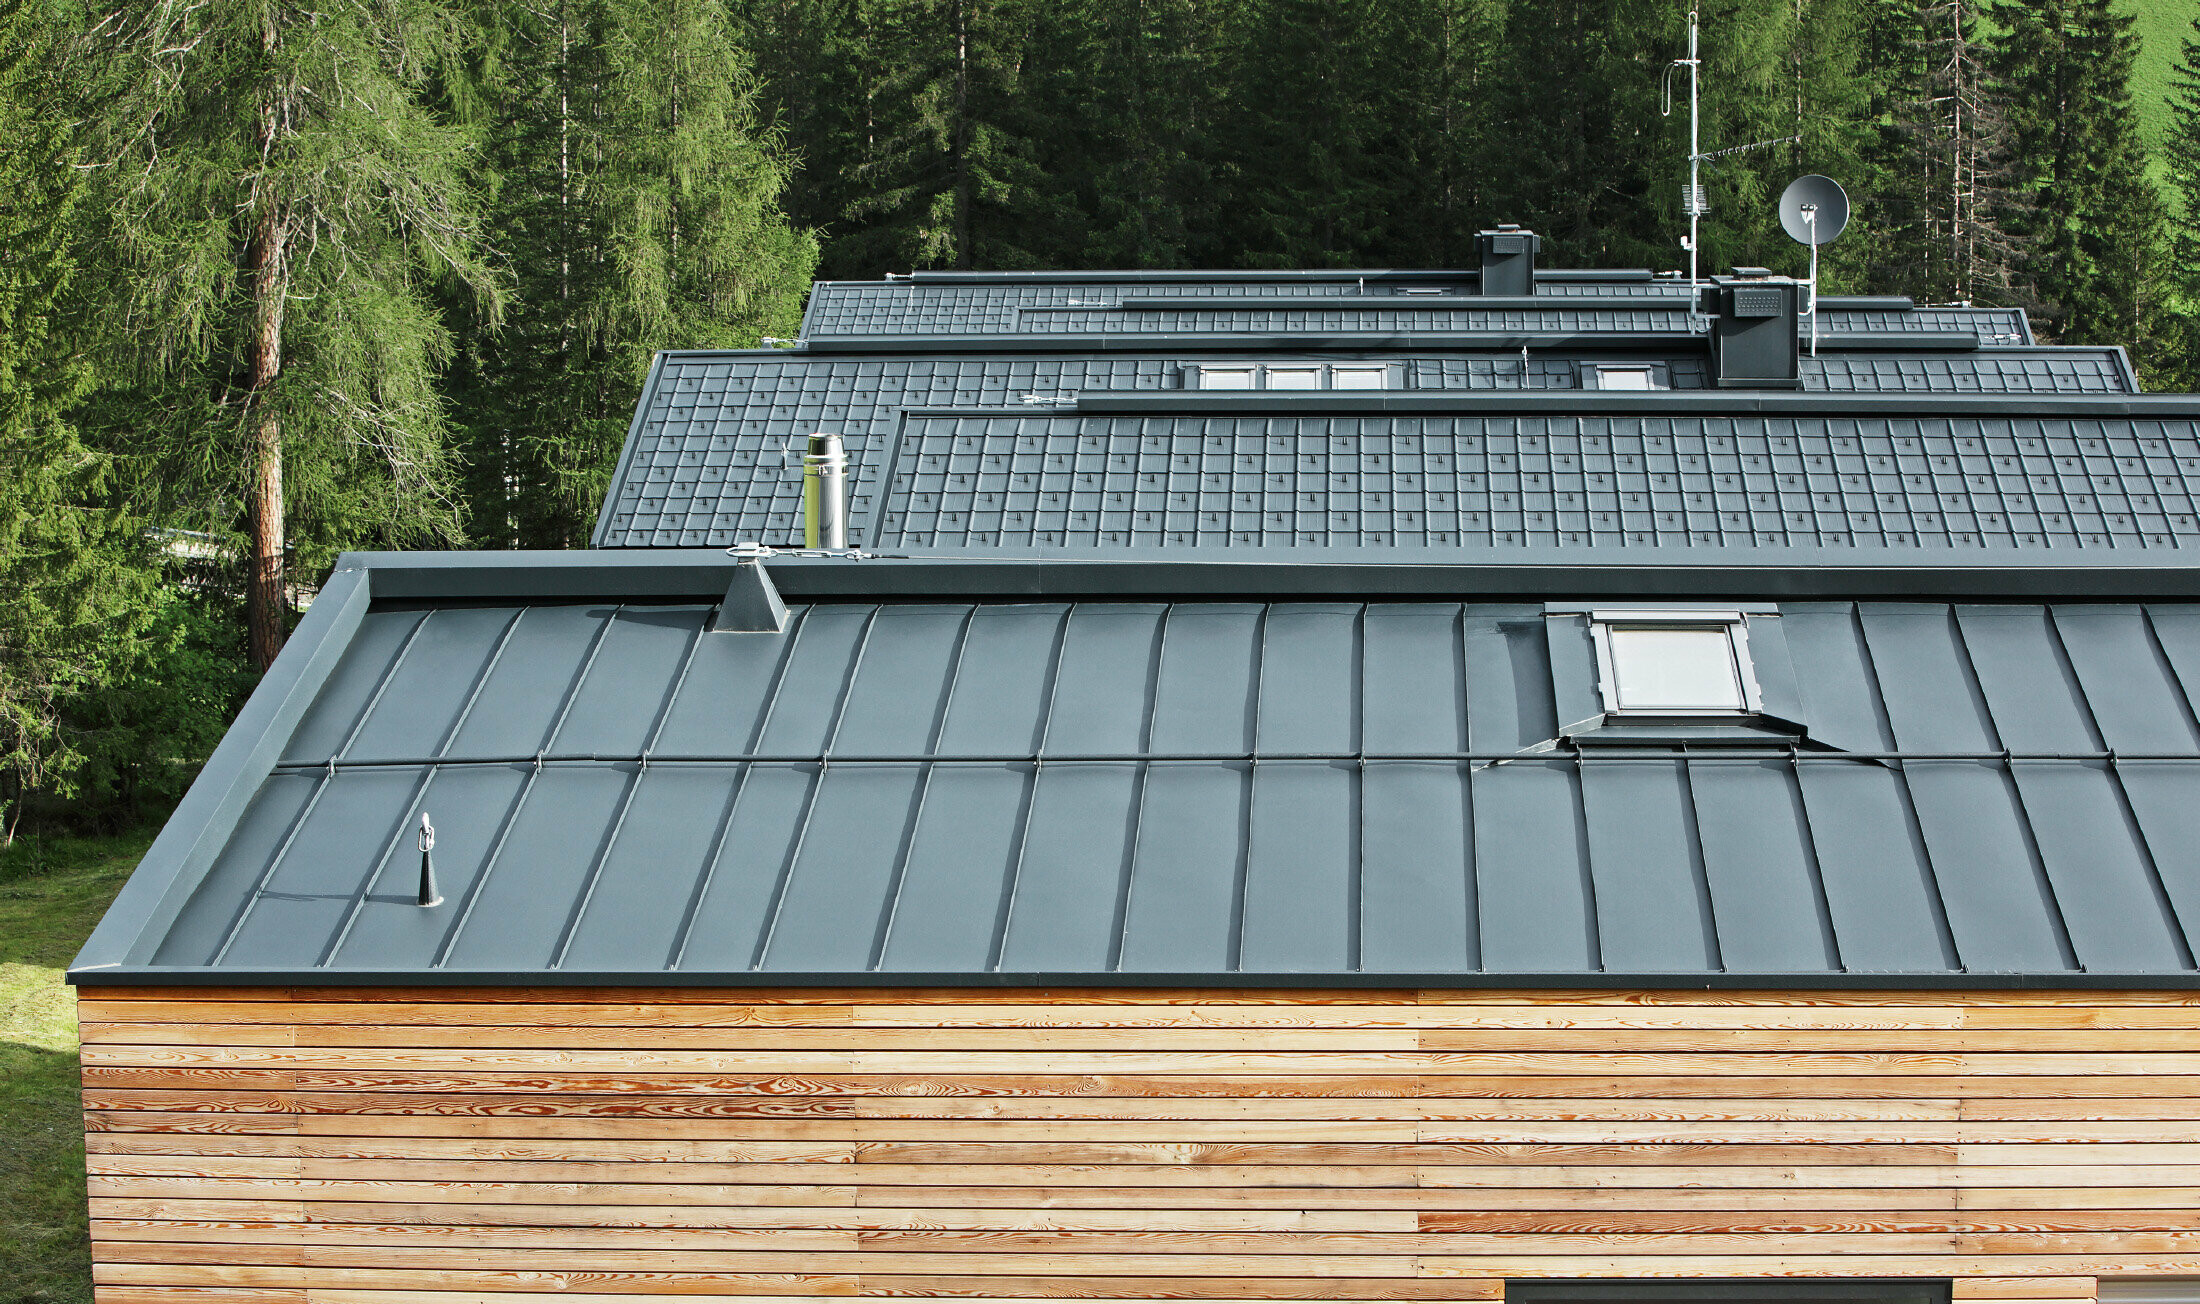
(413, 806)
(672, 694)
(580, 677)
(282, 851)
(1699, 871)
(464, 913)
(1119, 925)
(1814, 866)
(1241, 879)
(594, 873)
(389, 675)
(488, 668)
(1356, 809)
(778, 898)
(1938, 901)
(1578, 795)
(933, 735)
(676, 949)
(817, 783)
(2058, 918)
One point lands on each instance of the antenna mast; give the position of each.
(1693, 201)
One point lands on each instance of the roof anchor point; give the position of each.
(428, 895)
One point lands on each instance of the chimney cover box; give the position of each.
(1754, 320)
(1508, 260)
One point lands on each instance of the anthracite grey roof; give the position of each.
(703, 464)
(993, 310)
(1121, 789)
(1801, 473)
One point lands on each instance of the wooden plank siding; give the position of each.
(434, 1146)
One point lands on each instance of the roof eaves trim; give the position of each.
(1820, 980)
(193, 836)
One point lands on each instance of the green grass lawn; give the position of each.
(2162, 27)
(51, 893)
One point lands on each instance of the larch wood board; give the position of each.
(443, 1146)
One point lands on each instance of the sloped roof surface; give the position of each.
(704, 467)
(1229, 789)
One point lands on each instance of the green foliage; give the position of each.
(75, 576)
(637, 203)
(2092, 218)
(273, 204)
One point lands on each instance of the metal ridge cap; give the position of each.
(1465, 979)
(701, 575)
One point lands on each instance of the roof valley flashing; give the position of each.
(1128, 681)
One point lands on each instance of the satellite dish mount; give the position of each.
(1813, 210)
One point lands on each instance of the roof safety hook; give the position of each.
(428, 895)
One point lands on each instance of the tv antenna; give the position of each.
(1813, 210)
(1694, 202)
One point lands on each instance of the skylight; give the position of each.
(1291, 375)
(1632, 376)
(1668, 663)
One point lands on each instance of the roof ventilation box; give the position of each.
(1754, 317)
(1508, 260)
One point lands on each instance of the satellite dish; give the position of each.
(1813, 196)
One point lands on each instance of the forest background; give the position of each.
(284, 277)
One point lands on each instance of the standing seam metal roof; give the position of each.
(1229, 789)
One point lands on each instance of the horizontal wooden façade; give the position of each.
(433, 1146)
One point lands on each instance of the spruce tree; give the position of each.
(78, 584)
(2091, 215)
(638, 203)
(276, 204)
(2181, 162)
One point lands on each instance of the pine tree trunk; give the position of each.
(265, 605)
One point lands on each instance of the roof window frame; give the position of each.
(1604, 622)
(1195, 376)
(1660, 376)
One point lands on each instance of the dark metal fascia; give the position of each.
(1676, 302)
(1667, 403)
(1732, 1290)
(1814, 980)
(195, 834)
(702, 574)
(1178, 276)
(1867, 303)
(2124, 367)
(809, 306)
(1169, 276)
(627, 449)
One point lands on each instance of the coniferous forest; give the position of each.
(284, 277)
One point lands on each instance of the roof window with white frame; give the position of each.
(1637, 377)
(1293, 375)
(1674, 664)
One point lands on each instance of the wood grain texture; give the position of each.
(442, 1146)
